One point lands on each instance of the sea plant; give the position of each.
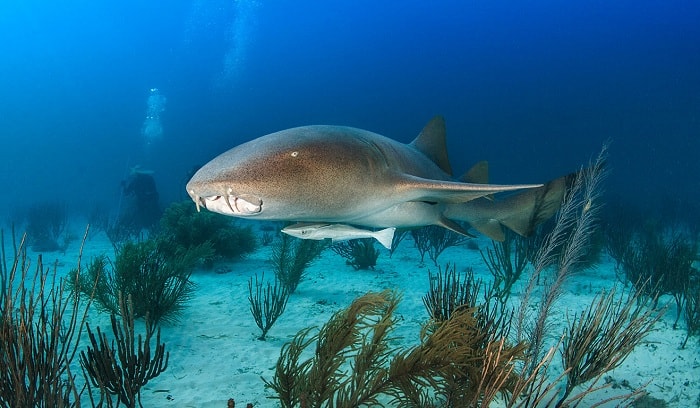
(291, 257)
(691, 311)
(121, 233)
(657, 262)
(94, 279)
(449, 291)
(186, 227)
(47, 227)
(453, 293)
(599, 339)
(399, 235)
(358, 253)
(560, 251)
(267, 304)
(157, 282)
(40, 328)
(433, 240)
(360, 337)
(267, 238)
(124, 370)
(506, 260)
(98, 218)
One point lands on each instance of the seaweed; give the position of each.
(399, 235)
(291, 257)
(561, 250)
(358, 253)
(599, 339)
(125, 370)
(353, 363)
(46, 227)
(691, 311)
(433, 240)
(449, 291)
(659, 261)
(40, 329)
(121, 233)
(185, 227)
(506, 260)
(157, 282)
(95, 280)
(268, 305)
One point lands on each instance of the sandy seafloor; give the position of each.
(215, 354)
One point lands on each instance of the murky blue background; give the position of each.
(533, 87)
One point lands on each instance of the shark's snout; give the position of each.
(228, 203)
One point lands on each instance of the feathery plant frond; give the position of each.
(599, 339)
(268, 305)
(563, 248)
(433, 240)
(358, 334)
(156, 279)
(448, 291)
(578, 213)
(125, 370)
(41, 323)
(691, 311)
(506, 260)
(291, 257)
(353, 363)
(358, 253)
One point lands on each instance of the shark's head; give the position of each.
(311, 173)
(223, 185)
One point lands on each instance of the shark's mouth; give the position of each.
(230, 204)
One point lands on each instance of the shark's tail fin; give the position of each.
(521, 212)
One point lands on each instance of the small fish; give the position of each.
(338, 232)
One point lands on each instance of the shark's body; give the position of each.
(336, 174)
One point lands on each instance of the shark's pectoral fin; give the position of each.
(491, 228)
(421, 189)
(453, 226)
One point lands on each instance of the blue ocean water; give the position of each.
(536, 88)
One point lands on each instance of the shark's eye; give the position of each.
(215, 198)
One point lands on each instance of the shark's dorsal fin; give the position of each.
(431, 142)
(478, 174)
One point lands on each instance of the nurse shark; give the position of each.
(345, 175)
